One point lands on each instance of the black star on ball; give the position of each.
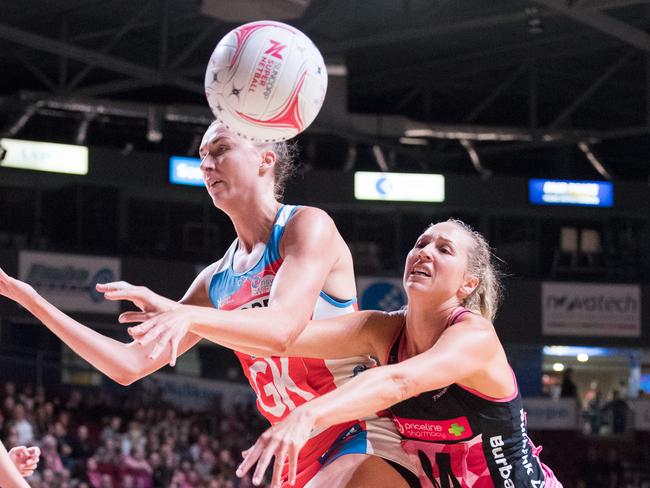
(235, 91)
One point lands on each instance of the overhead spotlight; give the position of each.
(154, 125)
(594, 160)
(127, 149)
(337, 69)
(582, 357)
(475, 159)
(82, 131)
(351, 158)
(379, 157)
(193, 148)
(558, 367)
(534, 21)
(413, 141)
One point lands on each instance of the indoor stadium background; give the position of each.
(535, 114)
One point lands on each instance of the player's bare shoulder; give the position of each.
(199, 291)
(311, 226)
(475, 322)
(382, 329)
(312, 217)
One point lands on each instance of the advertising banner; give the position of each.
(45, 156)
(378, 293)
(641, 410)
(68, 280)
(550, 414)
(187, 393)
(595, 310)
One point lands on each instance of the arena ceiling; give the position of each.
(557, 88)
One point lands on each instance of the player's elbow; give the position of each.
(284, 339)
(129, 373)
(126, 376)
(281, 344)
(124, 379)
(402, 386)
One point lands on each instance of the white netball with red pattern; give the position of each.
(266, 81)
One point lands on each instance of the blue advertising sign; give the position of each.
(185, 171)
(569, 192)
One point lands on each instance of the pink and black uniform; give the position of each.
(282, 384)
(464, 439)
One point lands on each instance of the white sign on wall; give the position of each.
(585, 309)
(68, 280)
(45, 156)
(641, 409)
(401, 187)
(550, 414)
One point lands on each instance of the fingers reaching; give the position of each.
(141, 330)
(134, 317)
(267, 447)
(293, 463)
(251, 456)
(25, 459)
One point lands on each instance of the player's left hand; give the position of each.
(25, 459)
(168, 328)
(284, 440)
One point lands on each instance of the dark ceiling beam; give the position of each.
(164, 35)
(198, 40)
(603, 23)
(495, 93)
(607, 4)
(38, 73)
(478, 62)
(591, 89)
(312, 22)
(572, 138)
(95, 58)
(106, 48)
(111, 87)
(420, 33)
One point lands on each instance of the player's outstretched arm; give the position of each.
(462, 352)
(311, 248)
(121, 362)
(20, 461)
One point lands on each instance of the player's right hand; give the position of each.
(283, 441)
(150, 304)
(10, 286)
(25, 459)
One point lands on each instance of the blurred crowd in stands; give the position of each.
(93, 440)
(99, 440)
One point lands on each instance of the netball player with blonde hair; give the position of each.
(287, 265)
(445, 379)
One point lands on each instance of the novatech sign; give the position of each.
(584, 309)
(68, 280)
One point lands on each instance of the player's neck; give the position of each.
(253, 223)
(425, 324)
